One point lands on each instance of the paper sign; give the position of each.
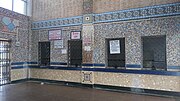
(55, 35)
(114, 46)
(63, 51)
(87, 48)
(58, 43)
(75, 35)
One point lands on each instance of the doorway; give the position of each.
(4, 62)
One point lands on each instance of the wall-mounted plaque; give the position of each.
(76, 35)
(55, 34)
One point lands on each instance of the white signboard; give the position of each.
(63, 51)
(75, 35)
(58, 43)
(55, 35)
(87, 48)
(114, 46)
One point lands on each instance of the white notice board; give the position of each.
(114, 46)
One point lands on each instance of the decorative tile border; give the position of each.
(122, 15)
(72, 21)
(139, 13)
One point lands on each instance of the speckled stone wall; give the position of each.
(21, 34)
(16, 27)
(59, 75)
(51, 9)
(100, 6)
(42, 35)
(167, 83)
(18, 74)
(132, 31)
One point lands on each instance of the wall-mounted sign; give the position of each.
(55, 34)
(76, 35)
(114, 46)
(58, 43)
(63, 51)
(87, 48)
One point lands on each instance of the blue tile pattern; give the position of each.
(61, 22)
(138, 13)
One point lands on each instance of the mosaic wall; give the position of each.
(56, 53)
(56, 9)
(132, 31)
(16, 27)
(100, 6)
(88, 41)
(167, 83)
(59, 75)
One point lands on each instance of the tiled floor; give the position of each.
(48, 92)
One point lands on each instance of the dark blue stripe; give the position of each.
(22, 63)
(32, 62)
(19, 67)
(151, 72)
(58, 63)
(174, 67)
(133, 66)
(17, 63)
(56, 67)
(94, 64)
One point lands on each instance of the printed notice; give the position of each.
(75, 35)
(58, 43)
(114, 46)
(55, 35)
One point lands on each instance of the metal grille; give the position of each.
(44, 53)
(74, 52)
(4, 62)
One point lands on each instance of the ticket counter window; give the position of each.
(74, 53)
(44, 53)
(154, 52)
(116, 52)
